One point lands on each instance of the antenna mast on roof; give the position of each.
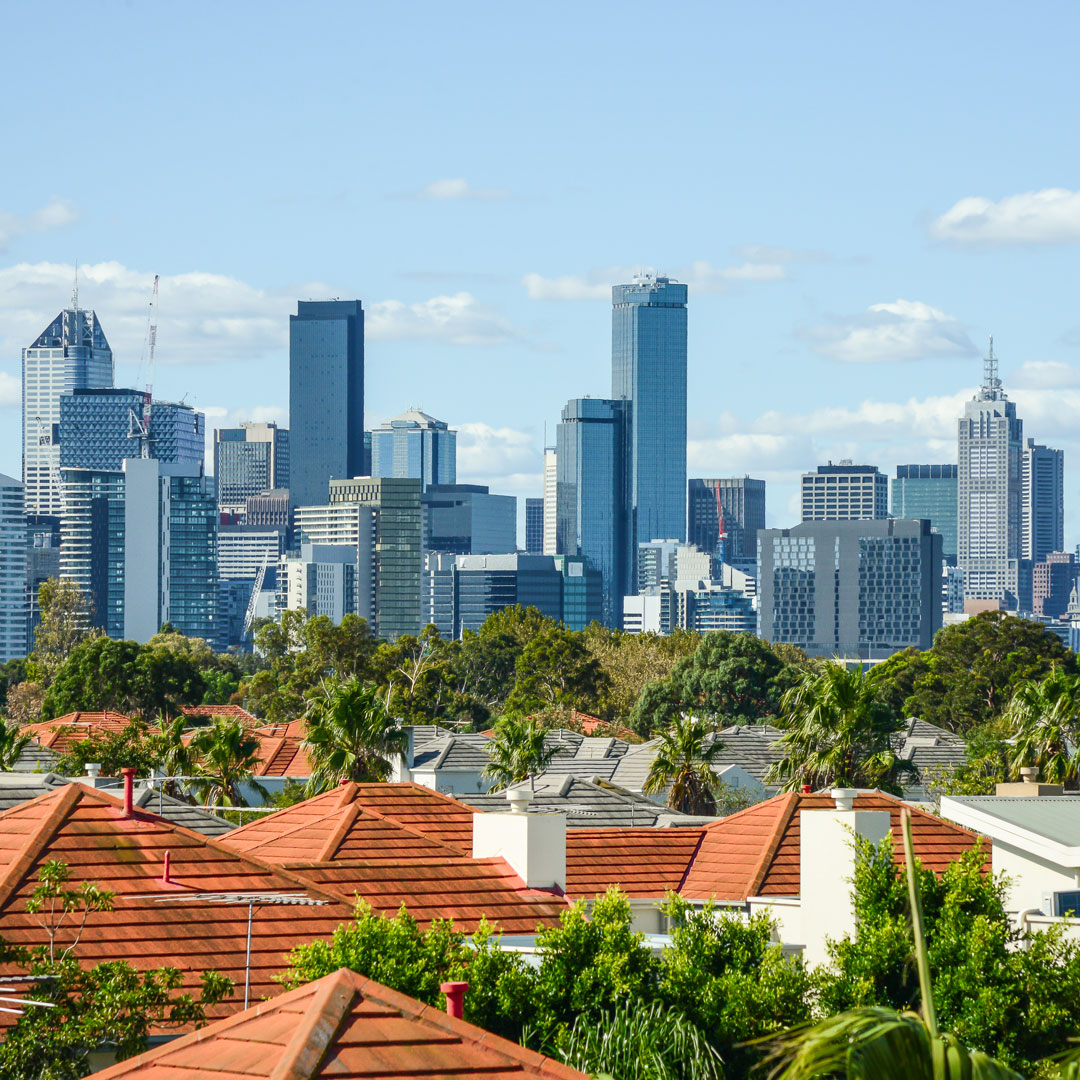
(75, 290)
(991, 382)
(139, 426)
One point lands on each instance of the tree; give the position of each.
(228, 755)
(350, 736)
(412, 676)
(683, 766)
(837, 733)
(66, 618)
(518, 751)
(556, 668)
(24, 702)
(733, 677)
(114, 750)
(12, 744)
(1044, 717)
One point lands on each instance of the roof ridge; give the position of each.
(65, 797)
(316, 1029)
(338, 834)
(408, 828)
(787, 812)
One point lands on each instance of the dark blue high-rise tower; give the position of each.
(326, 398)
(648, 370)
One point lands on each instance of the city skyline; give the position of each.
(863, 293)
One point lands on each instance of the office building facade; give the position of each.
(648, 371)
(72, 353)
(326, 397)
(534, 526)
(42, 563)
(551, 501)
(591, 489)
(320, 579)
(14, 613)
(1043, 501)
(845, 492)
(742, 501)
(930, 492)
(269, 508)
(582, 592)
(249, 460)
(466, 519)
(990, 446)
(1053, 582)
(243, 549)
(861, 589)
(415, 444)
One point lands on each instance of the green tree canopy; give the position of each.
(228, 756)
(66, 620)
(1043, 716)
(683, 766)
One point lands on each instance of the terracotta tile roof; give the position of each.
(296, 729)
(430, 812)
(231, 712)
(282, 755)
(344, 1027)
(642, 862)
(756, 852)
(85, 829)
(60, 733)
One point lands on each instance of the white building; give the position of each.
(321, 580)
(551, 478)
(13, 599)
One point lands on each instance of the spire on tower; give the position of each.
(991, 383)
(75, 290)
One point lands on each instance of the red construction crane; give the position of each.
(721, 530)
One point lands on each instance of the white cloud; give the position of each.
(900, 330)
(457, 319)
(55, 214)
(490, 455)
(1045, 374)
(700, 275)
(459, 188)
(10, 391)
(1051, 216)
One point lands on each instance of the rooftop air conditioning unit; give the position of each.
(1058, 904)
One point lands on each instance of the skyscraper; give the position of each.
(1043, 494)
(551, 510)
(71, 353)
(415, 444)
(326, 397)
(249, 460)
(534, 526)
(845, 492)
(467, 519)
(743, 502)
(591, 487)
(648, 371)
(929, 492)
(990, 487)
(13, 599)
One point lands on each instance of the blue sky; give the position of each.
(856, 197)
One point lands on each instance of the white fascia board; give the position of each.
(1064, 855)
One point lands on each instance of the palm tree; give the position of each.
(882, 1044)
(227, 755)
(1044, 715)
(350, 736)
(683, 767)
(12, 743)
(518, 751)
(173, 752)
(837, 734)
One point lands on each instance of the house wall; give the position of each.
(786, 913)
(1030, 876)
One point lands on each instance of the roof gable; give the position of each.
(60, 733)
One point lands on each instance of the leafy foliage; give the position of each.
(130, 747)
(683, 766)
(518, 751)
(228, 755)
(1044, 717)
(66, 618)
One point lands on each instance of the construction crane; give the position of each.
(139, 423)
(260, 577)
(721, 530)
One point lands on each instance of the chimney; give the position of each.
(826, 867)
(455, 998)
(129, 791)
(533, 844)
(1029, 786)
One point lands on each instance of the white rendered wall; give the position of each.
(533, 844)
(1030, 876)
(142, 549)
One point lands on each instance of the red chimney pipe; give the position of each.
(129, 791)
(806, 789)
(165, 872)
(455, 998)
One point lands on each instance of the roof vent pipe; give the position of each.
(455, 998)
(1029, 774)
(844, 797)
(93, 768)
(165, 879)
(129, 791)
(519, 799)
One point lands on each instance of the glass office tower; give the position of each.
(591, 488)
(415, 444)
(249, 460)
(69, 354)
(648, 370)
(326, 397)
(14, 606)
(928, 492)
(534, 526)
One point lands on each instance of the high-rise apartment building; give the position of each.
(861, 589)
(13, 598)
(591, 487)
(929, 492)
(551, 501)
(742, 501)
(990, 446)
(101, 427)
(398, 544)
(352, 524)
(243, 549)
(71, 353)
(1054, 580)
(249, 460)
(467, 519)
(415, 444)
(326, 397)
(845, 492)
(1043, 501)
(648, 371)
(320, 579)
(534, 526)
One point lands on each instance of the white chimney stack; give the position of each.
(533, 844)
(827, 866)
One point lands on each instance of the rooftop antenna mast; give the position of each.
(75, 290)
(139, 425)
(991, 382)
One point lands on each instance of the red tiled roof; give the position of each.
(339, 1027)
(232, 712)
(85, 829)
(439, 816)
(60, 733)
(296, 729)
(281, 755)
(642, 862)
(756, 852)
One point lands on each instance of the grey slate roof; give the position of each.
(437, 748)
(20, 790)
(35, 758)
(588, 804)
(452, 752)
